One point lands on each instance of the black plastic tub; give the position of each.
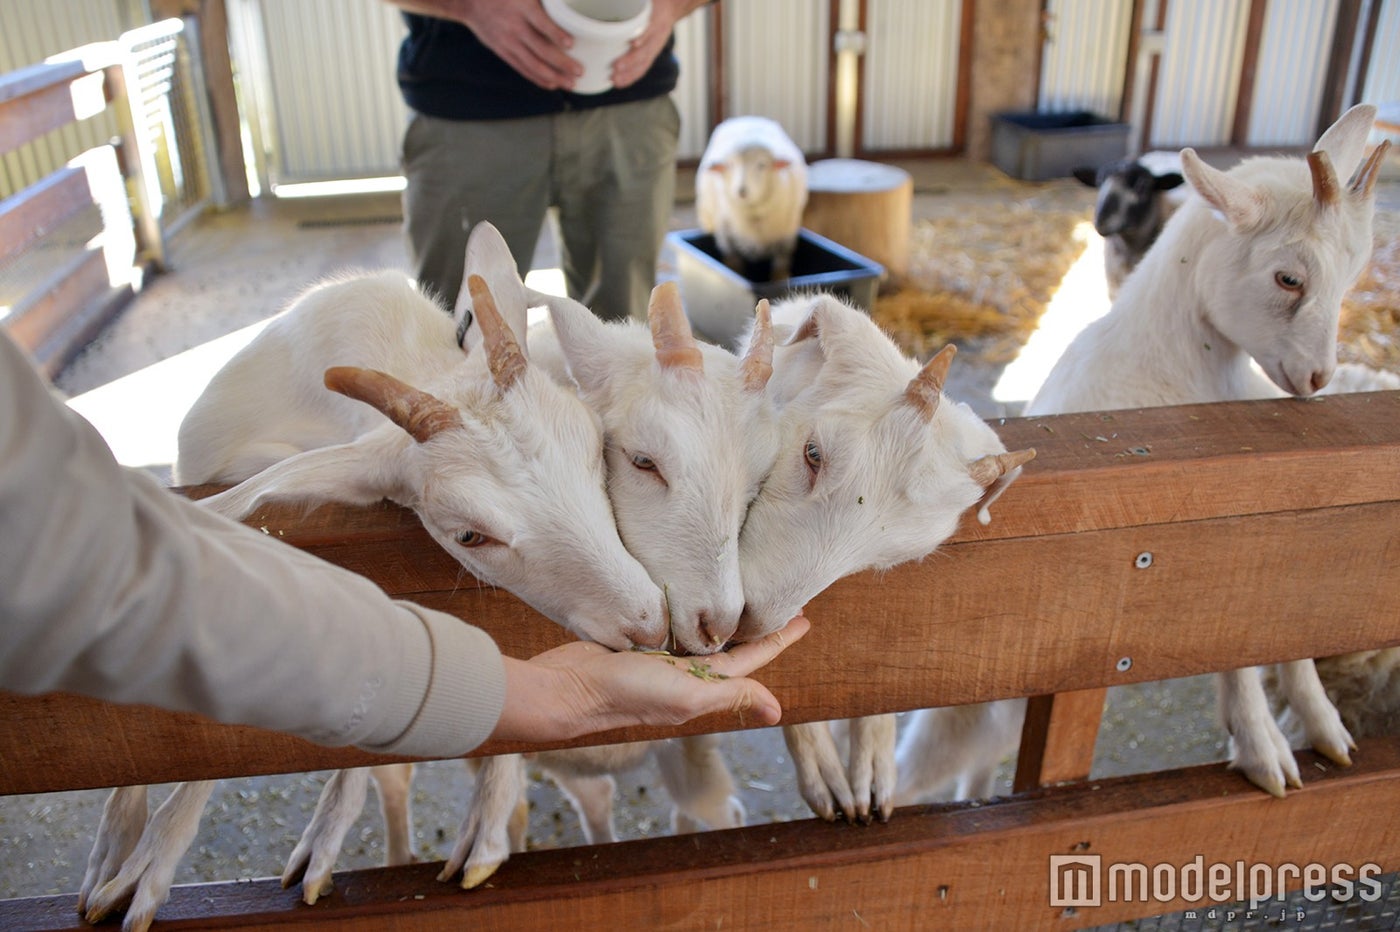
(1040, 146)
(720, 302)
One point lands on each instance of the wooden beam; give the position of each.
(1124, 568)
(1058, 738)
(1333, 99)
(26, 216)
(1249, 66)
(953, 867)
(74, 286)
(46, 97)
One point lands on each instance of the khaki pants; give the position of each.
(610, 173)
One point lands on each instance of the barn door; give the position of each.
(912, 83)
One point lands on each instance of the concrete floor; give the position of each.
(234, 269)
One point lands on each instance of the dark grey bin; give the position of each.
(720, 301)
(1040, 146)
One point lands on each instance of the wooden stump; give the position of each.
(864, 206)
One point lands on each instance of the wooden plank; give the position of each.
(27, 216)
(953, 867)
(43, 101)
(1092, 471)
(1058, 737)
(985, 620)
(80, 283)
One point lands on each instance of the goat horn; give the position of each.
(670, 330)
(503, 354)
(757, 367)
(1365, 181)
(421, 414)
(924, 389)
(988, 469)
(1324, 178)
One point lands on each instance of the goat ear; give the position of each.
(489, 257)
(1241, 205)
(671, 335)
(1168, 181)
(420, 414)
(781, 163)
(350, 473)
(1345, 140)
(1089, 176)
(582, 338)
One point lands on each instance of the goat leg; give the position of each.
(483, 842)
(821, 778)
(702, 789)
(1257, 746)
(145, 876)
(123, 819)
(313, 858)
(1307, 698)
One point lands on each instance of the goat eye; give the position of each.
(1288, 281)
(472, 539)
(642, 461)
(813, 455)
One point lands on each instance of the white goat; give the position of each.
(681, 473)
(502, 464)
(876, 468)
(1136, 199)
(750, 191)
(1254, 266)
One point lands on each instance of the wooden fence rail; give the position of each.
(89, 228)
(1139, 545)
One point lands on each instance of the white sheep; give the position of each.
(750, 191)
(876, 468)
(1136, 199)
(680, 478)
(503, 465)
(1251, 269)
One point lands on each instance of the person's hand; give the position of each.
(582, 687)
(629, 67)
(522, 34)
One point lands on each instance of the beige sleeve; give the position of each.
(113, 587)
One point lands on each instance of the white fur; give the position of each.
(750, 191)
(889, 488)
(524, 468)
(1203, 303)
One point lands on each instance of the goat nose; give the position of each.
(642, 637)
(712, 631)
(1319, 381)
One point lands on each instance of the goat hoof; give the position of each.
(476, 876)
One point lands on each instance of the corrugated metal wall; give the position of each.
(31, 31)
(1085, 56)
(692, 93)
(776, 54)
(1382, 84)
(911, 74)
(1200, 74)
(338, 113)
(1293, 51)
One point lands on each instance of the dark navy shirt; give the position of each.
(445, 71)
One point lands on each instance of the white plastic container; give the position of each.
(601, 31)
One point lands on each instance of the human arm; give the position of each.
(582, 687)
(113, 587)
(629, 67)
(519, 31)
